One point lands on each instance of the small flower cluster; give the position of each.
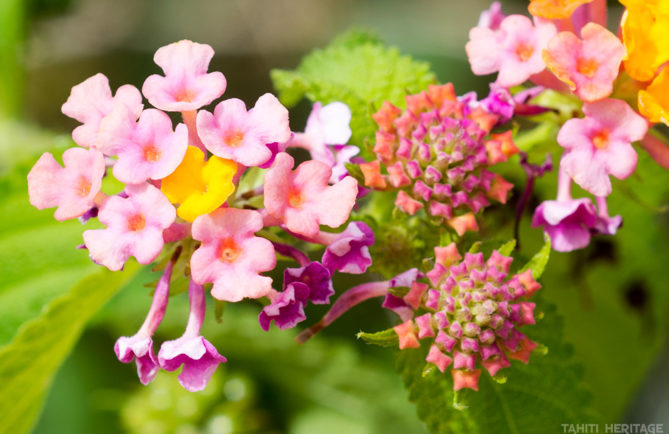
(435, 154)
(472, 314)
(180, 195)
(470, 310)
(567, 48)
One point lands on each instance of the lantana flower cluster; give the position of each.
(469, 311)
(180, 195)
(435, 154)
(567, 48)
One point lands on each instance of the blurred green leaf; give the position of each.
(357, 70)
(537, 398)
(39, 259)
(29, 362)
(539, 261)
(385, 338)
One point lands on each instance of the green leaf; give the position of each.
(385, 338)
(357, 70)
(507, 248)
(39, 256)
(29, 362)
(538, 262)
(536, 398)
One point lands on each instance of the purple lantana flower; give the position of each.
(287, 307)
(140, 346)
(197, 355)
(348, 251)
(310, 282)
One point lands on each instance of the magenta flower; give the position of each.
(316, 277)
(513, 50)
(73, 188)
(186, 85)
(91, 101)
(302, 198)
(567, 223)
(348, 251)
(492, 17)
(232, 132)
(140, 346)
(600, 144)
(286, 308)
(231, 256)
(134, 227)
(152, 151)
(197, 355)
(590, 65)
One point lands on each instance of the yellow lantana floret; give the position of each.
(654, 101)
(645, 28)
(198, 186)
(555, 9)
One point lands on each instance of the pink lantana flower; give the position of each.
(91, 101)
(197, 355)
(302, 198)
(243, 136)
(72, 188)
(325, 135)
(590, 65)
(600, 144)
(139, 347)
(134, 227)
(152, 151)
(513, 50)
(186, 85)
(231, 256)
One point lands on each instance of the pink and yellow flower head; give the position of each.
(196, 166)
(199, 186)
(231, 256)
(589, 65)
(186, 85)
(233, 133)
(73, 189)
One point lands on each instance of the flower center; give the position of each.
(151, 154)
(587, 67)
(228, 250)
(84, 187)
(601, 139)
(524, 51)
(234, 138)
(136, 222)
(295, 199)
(184, 95)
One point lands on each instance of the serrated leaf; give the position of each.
(385, 338)
(536, 398)
(359, 72)
(29, 362)
(538, 262)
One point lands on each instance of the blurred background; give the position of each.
(333, 383)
